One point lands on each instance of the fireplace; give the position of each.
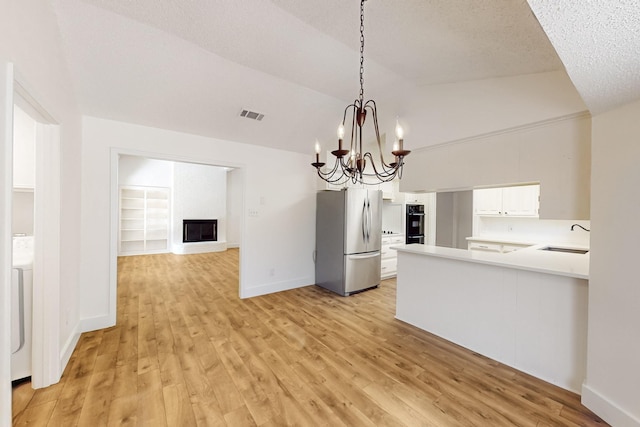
(199, 230)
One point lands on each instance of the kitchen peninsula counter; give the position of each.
(531, 258)
(526, 309)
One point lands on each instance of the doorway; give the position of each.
(230, 229)
(45, 364)
(40, 196)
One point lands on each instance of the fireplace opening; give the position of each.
(199, 230)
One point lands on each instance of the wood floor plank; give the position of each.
(187, 351)
(177, 405)
(123, 411)
(98, 399)
(36, 415)
(151, 409)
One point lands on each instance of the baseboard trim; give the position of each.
(606, 409)
(270, 288)
(69, 346)
(94, 323)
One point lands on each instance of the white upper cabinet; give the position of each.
(487, 201)
(520, 200)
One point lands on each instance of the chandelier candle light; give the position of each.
(350, 164)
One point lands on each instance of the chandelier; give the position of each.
(351, 163)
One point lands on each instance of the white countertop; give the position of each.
(531, 259)
(502, 240)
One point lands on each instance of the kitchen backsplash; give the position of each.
(392, 217)
(533, 229)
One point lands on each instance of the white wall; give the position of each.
(24, 171)
(24, 149)
(533, 230)
(279, 239)
(29, 38)
(437, 114)
(612, 387)
(141, 171)
(199, 192)
(557, 154)
(454, 218)
(22, 221)
(445, 220)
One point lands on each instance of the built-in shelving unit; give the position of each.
(144, 220)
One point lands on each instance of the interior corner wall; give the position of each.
(463, 210)
(444, 220)
(612, 385)
(557, 154)
(454, 218)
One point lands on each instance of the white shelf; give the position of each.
(144, 220)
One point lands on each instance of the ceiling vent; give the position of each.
(251, 115)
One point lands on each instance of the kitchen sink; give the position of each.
(567, 250)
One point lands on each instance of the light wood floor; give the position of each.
(187, 351)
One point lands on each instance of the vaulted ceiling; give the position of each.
(192, 66)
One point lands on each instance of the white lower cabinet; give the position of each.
(389, 257)
(484, 246)
(495, 246)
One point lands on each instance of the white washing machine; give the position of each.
(21, 307)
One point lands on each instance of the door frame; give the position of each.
(6, 245)
(114, 203)
(46, 361)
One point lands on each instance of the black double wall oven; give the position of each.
(414, 228)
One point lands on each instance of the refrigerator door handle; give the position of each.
(369, 221)
(364, 221)
(365, 256)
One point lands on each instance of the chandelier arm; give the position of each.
(384, 175)
(354, 132)
(331, 179)
(371, 104)
(330, 173)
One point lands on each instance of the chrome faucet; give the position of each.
(578, 225)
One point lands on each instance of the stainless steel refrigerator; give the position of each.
(348, 238)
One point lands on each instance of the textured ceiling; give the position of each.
(191, 66)
(599, 44)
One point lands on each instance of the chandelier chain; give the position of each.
(362, 50)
